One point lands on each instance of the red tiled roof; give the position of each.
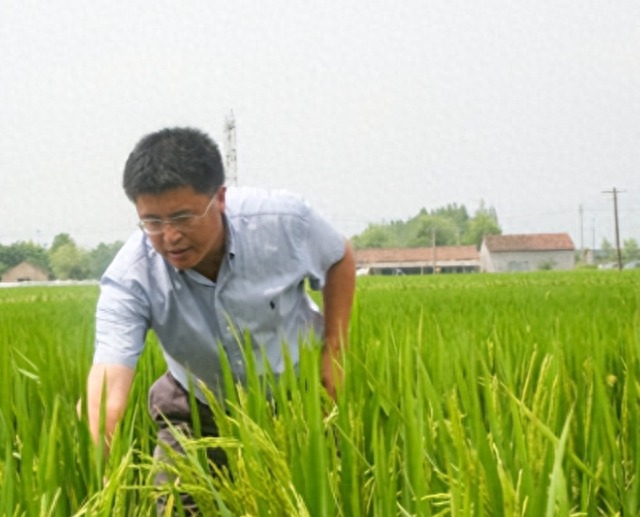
(442, 253)
(529, 242)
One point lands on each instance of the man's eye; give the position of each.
(182, 219)
(153, 223)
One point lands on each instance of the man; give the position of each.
(210, 264)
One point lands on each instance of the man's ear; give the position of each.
(220, 197)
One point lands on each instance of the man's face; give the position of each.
(197, 245)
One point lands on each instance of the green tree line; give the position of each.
(63, 260)
(447, 226)
(629, 251)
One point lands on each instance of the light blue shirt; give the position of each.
(274, 241)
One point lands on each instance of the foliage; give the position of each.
(607, 249)
(375, 236)
(547, 265)
(60, 240)
(449, 225)
(18, 252)
(434, 229)
(630, 250)
(101, 256)
(512, 395)
(64, 258)
(453, 212)
(485, 222)
(70, 262)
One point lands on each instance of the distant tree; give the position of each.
(443, 229)
(375, 236)
(630, 250)
(101, 256)
(3, 268)
(18, 252)
(607, 249)
(451, 224)
(60, 240)
(457, 213)
(484, 222)
(399, 233)
(70, 262)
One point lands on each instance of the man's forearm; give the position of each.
(338, 299)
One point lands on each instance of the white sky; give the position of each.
(369, 109)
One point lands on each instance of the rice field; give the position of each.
(471, 395)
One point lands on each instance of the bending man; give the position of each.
(208, 259)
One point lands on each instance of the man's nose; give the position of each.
(170, 233)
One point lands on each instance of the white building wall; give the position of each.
(486, 264)
(529, 260)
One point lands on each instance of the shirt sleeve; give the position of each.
(324, 247)
(122, 321)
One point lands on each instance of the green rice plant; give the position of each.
(512, 395)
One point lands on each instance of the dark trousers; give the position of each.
(169, 400)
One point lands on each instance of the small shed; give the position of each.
(530, 252)
(25, 272)
(418, 261)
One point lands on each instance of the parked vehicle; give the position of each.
(635, 264)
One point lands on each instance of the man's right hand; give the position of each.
(116, 381)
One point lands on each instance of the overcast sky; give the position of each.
(369, 109)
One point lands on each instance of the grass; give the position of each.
(475, 395)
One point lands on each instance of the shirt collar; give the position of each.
(230, 236)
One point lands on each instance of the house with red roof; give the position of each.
(418, 261)
(530, 252)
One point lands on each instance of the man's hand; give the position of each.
(337, 297)
(116, 380)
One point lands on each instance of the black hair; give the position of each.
(173, 158)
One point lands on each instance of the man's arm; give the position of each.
(337, 298)
(117, 381)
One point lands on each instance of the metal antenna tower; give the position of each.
(231, 159)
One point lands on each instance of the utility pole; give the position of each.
(433, 248)
(615, 214)
(231, 159)
(581, 233)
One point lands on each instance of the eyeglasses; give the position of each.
(182, 223)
